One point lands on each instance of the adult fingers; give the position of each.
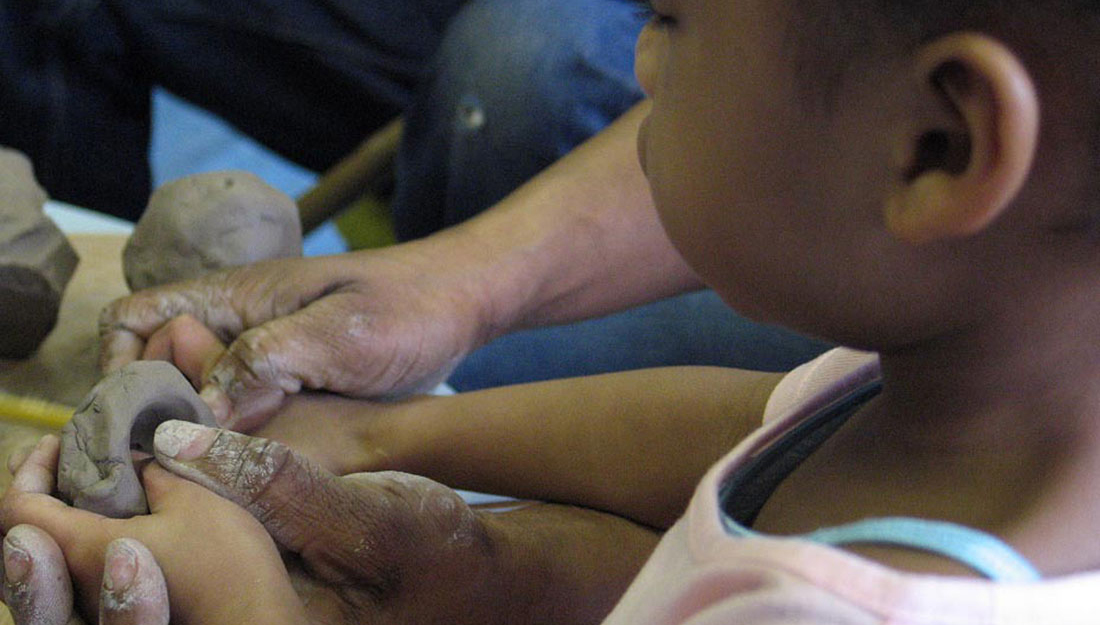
(328, 344)
(367, 530)
(134, 591)
(127, 323)
(37, 588)
(227, 302)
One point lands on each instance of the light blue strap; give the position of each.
(985, 553)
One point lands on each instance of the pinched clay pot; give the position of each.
(120, 414)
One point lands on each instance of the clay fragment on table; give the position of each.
(95, 471)
(208, 221)
(36, 260)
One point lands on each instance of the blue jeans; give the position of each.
(513, 87)
(693, 329)
(492, 92)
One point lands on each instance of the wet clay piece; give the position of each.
(121, 413)
(208, 221)
(36, 260)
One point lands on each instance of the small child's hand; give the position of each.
(38, 591)
(207, 547)
(357, 546)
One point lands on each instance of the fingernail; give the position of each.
(183, 440)
(45, 440)
(17, 564)
(120, 566)
(218, 402)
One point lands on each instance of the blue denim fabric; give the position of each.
(69, 101)
(693, 329)
(309, 79)
(515, 85)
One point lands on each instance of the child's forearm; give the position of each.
(632, 443)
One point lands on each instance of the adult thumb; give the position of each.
(293, 498)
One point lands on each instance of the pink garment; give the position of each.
(701, 575)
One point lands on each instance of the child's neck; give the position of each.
(1018, 382)
(1000, 435)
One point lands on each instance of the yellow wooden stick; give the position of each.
(33, 412)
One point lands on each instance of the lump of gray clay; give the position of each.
(121, 413)
(36, 260)
(209, 221)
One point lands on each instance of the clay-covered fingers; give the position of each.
(407, 521)
(134, 591)
(38, 591)
(286, 492)
(361, 324)
(126, 324)
(289, 324)
(205, 545)
(332, 344)
(37, 588)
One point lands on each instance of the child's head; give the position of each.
(876, 171)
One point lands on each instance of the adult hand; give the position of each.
(329, 429)
(362, 324)
(390, 547)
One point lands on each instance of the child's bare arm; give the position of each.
(632, 443)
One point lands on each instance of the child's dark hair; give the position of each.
(838, 31)
(1059, 40)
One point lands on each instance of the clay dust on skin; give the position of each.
(182, 438)
(17, 562)
(235, 466)
(135, 570)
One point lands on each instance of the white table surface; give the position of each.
(75, 220)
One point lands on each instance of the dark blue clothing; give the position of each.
(492, 92)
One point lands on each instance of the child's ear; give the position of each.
(973, 153)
